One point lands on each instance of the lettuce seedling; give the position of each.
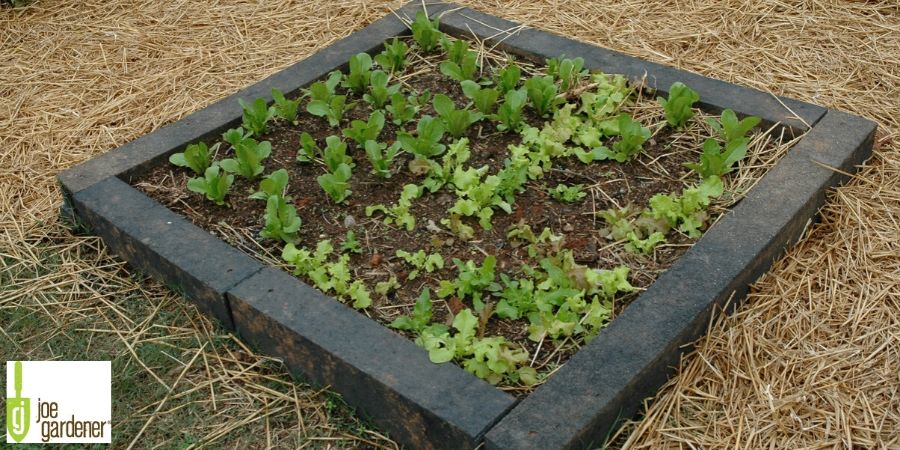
(510, 112)
(567, 194)
(632, 138)
(195, 157)
(381, 156)
(273, 184)
(678, 105)
(393, 57)
(472, 281)
(308, 149)
(508, 78)
(213, 184)
(427, 142)
(464, 70)
(439, 174)
(361, 131)
(484, 99)
(385, 287)
(327, 275)
(335, 153)
(399, 213)
(336, 183)
(351, 244)
(324, 90)
(455, 120)
(256, 115)
(714, 161)
(333, 109)
(425, 32)
(421, 315)
(401, 109)
(379, 91)
(456, 49)
(687, 212)
(282, 222)
(360, 73)
(421, 261)
(250, 155)
(567, 71)
(730, 128)
(284, 108)
(542, 93)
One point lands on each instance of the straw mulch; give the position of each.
(811, 360)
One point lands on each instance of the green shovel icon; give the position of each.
(18, 409)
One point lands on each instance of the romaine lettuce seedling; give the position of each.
(421, 315)
(282, 222)
(484, 99)
(427, 142)
(567, 71)
(425, 32)
(328, 275)
(360, 72)
(568, 194)
(249, 156)
(336, 183)
(308, 149)
(333, 109)
(510, 112)
(632, 137)
(455, 120)
(381, 156)
(678, 105)
(335, 153)
(324, 90)
(273, 184)
(195, 157)
(542, 92)
(284, 108)
(456, 49)
(730, 128)
(213, 184)
(256, 115)
(393, 57)
(379, 91)
(362, 131)
(401, 109)
(714, 161)
(464, 70)
(508, 78)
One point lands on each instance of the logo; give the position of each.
(58, 402)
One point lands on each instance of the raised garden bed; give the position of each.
(591, 367)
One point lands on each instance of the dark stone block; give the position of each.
(384, 375)
(164, 245)
(715, 95)
(631, 358)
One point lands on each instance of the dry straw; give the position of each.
(810, 361)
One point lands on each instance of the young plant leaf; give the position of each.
(542, 92)
(379, 91)
(281, 218)
(456, 121)
(256, 115)
(510, 112)
(308, 149)
(425, 32)
(426, 144)
(369, 130)
(393, 57)
(273, 184)
(284, 108)
(381, 156)
(213, 184)
(678, 105)
(401, 109)
(360, 72)
(336, 184)
(484, 99)
(730, 128)
(508, 78)
(195, 157)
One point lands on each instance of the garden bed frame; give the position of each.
(386, 376)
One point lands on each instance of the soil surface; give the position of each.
(658, 169)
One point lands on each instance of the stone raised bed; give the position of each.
(390, 379)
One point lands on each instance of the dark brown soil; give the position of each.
(242, 218)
